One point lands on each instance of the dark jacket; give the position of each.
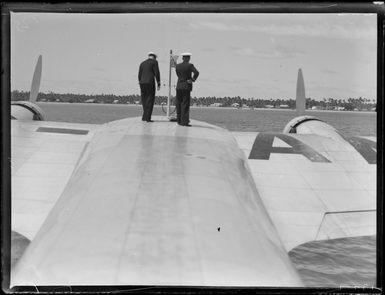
(184, 71)
(148, 72)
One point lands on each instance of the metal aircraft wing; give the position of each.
(314, 186)
(153, 204)
(43, 158)
(315, 182)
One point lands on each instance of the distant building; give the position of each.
(269, 106)
(91, 100)
(116, 101)
(217, 104)
(339, 108)
(235, 105)
(283, 106)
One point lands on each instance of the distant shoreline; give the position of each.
(198, 107)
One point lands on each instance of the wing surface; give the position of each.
(158, 204)
(314, 187)
(43, 157)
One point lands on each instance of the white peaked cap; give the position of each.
(186, 54)
(152, 53)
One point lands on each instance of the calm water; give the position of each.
(333, 263)
(350, 123)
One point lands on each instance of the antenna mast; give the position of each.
(169, 87)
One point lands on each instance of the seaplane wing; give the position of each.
(43, 157)
(314, 187)
(157, 204)
(137, 203)
(315, 182)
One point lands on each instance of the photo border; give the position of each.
(178, 7)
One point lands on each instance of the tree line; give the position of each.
(237, 101)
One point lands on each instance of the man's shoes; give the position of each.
(185, 125)
(149, 121)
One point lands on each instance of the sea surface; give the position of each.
(349, 123)
(347, 262)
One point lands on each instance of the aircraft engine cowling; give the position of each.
(26, 111)
(311, 125)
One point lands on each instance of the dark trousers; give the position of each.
(147, 92)
(183, 106)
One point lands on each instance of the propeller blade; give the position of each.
(300, 100)
(36, 80)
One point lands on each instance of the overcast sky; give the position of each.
(250, 55)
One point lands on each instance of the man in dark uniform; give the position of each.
(148, 72)
(183, 88)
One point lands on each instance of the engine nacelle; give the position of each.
(26, 111)
(311, 125)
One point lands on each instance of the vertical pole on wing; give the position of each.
(300, 100)
(169, 87)
(36, 80)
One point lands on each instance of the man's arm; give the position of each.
(156, 72)
(140, 72)
(195, 73)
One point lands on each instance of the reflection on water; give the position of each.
(340, 262)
